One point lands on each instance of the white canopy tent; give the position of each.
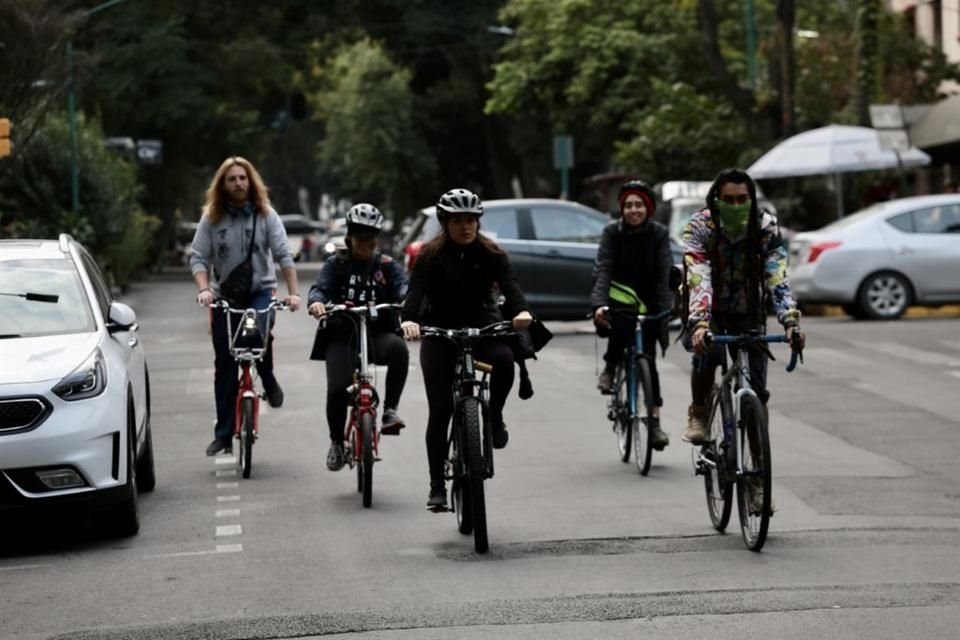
(833, 150)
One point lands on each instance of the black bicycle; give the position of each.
(470, 460)
(737, 448)
(631, 405)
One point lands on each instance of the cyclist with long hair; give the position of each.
(451, 287)
(631, 276)
(239, 233)
(363, 276)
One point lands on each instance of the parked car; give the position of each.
(552, 246)
(879, 261)
(74, 387)
(304, 235)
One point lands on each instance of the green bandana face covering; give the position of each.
(734, 217)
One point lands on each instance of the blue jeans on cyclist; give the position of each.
(705, 367)
(226, 369)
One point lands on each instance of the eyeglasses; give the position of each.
(743, 198)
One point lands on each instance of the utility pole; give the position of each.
(867, 17)
(72, 111)
(751, 30)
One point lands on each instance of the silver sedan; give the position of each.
(883, 259)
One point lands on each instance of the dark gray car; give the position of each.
(552, 246)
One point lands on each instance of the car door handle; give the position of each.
(905, 251)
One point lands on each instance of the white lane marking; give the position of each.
(221, 548)
(228, 485)
(228, 498)
(24, 566)
(228, 513)
(225, 460)
(226, 473)
(228, 530)
(954, 373)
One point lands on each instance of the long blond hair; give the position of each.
(215, 205)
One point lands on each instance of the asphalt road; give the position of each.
(864, 542)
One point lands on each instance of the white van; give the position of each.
(677, 200)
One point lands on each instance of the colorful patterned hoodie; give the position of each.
(704, 243)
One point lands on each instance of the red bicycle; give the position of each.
(361, 435)
(247, 345)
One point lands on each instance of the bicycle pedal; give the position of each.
(443, 509)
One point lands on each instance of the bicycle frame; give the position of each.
(633, 352)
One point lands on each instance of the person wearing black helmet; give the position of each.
(630, 277)
(361, 276)
(451, 287)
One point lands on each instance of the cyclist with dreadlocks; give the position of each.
(736, 266)
(631, 276)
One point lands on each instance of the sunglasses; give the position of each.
(739, 199)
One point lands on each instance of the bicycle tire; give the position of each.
(621, 420)
(365, 467)
(474, 471)
(246, 436)
(459, 490)
(756, 473)
(716, 481)
(642, 446)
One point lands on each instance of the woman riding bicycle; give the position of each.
(362, 276)
(631, 277)
(451, 287)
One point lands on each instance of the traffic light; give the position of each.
(5, 145)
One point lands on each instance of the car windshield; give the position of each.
(20, 317)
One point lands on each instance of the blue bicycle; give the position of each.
(631, 404)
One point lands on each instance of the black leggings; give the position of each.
(342, 359)
(438, 360)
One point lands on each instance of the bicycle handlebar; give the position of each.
(360, 309)
(742, 339)
(502, 328)
(275, 304)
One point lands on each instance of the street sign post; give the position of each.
(563, 161)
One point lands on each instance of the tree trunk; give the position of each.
(741, 99)
(867, 16)
(786, 15)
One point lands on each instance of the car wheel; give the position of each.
(124, 520)
(146, 476)
(884, 296)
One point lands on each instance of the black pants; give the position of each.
(622, 329)
(438, 361)
(343, 358)
(226, 369)
(702, 375)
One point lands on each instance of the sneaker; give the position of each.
(219, 445)
(500, 436)
(392, 423)
(335, 456)
(696, 431)
(605, 382)
(658, 437)
(275, 396)
(437, 500)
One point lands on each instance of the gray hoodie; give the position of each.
(218, 248)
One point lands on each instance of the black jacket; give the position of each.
(638, 257)
(453, 288)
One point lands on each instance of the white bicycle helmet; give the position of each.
(365, 215)
(459, 201)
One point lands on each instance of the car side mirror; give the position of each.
(120, 317)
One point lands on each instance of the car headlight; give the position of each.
(86, 381)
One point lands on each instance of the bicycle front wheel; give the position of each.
(365, 468)
(716, 470)
(755, 481)
(246, 436)
(620, 412)
(475, 469)
(642, 446)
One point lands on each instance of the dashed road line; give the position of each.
(228, 513)
(220, 548)
(228, 485)
(224, 530)
(233, 498)
(18, 567)
(226, 473)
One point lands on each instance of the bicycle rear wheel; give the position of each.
(755, 482)
(642, 446)
(475, 471)
(620, 404)
(365, 468)
(246, 436)
(459, 490)
(716, 473)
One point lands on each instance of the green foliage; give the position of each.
(682, 134)
(371, 148)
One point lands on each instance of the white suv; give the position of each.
(74, 388)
